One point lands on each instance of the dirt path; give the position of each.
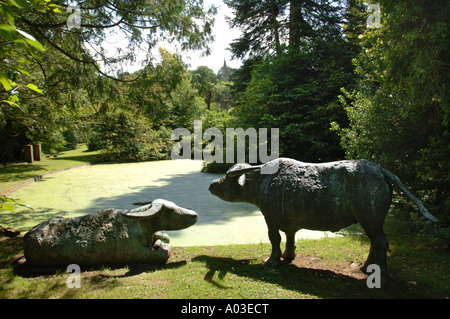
(88, 189)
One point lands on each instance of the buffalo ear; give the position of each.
(146, 212)
(241, 180)
(240, 169)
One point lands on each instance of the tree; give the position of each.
(297, 94)
(269, 26)
(262, 25)
(128, 136)
(296, 88)
(66, 69)
(224, 95)
(400, 111)
(18, 46)
(205, 79)
(138, 22)
(165, 94)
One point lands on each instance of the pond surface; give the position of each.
(89, 189)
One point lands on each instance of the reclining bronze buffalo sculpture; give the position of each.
(110, 236)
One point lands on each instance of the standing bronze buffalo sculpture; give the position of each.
(327, 197)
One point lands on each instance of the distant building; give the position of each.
(223, 97)
(224, 72)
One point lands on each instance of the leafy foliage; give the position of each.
(9, 204)
(128, 137)
(295, 86)
(17, 46)
(64, 75)
(205, 80)
(399, 113)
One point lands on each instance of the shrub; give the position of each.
(128, 137)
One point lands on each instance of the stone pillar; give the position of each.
(37, 152)
(29, 153)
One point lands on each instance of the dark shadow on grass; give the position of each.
(322, 283)
(22, 269)
(19, 172)
(89, 158)
(317, 282)
(137, 269)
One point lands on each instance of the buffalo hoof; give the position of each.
(272, 262)
(288, 256)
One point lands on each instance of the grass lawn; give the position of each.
(16, 173)
(324, 268)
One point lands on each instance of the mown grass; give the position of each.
(14, 173)
(418, 269)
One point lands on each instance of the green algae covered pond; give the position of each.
(87, 189)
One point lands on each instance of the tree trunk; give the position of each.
(295, 24)
(274, 14)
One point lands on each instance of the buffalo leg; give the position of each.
(289, 253)
(275, 240)
(377, 254)
(370, 260)
(379, 246)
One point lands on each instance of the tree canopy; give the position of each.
(399, 111)
(58, 68)
(302, 59)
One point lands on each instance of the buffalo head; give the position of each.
(164, 215)
(231, 187)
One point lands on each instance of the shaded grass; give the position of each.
(16, 173)
(322, 269)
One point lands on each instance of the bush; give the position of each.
(128, 137)
(71, 139)
(95, 142)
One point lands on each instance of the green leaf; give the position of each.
(25, 205)
(15, 3)
(9, 207)
(21, 69)
(31, 40)
(23, 61)
(21, 4)
(8, 32)
(11, 103)
(26, 43)
(34, 88)
(5, 81)
(10, 204)
(13, 98)
(6, 12)
(4, 199)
